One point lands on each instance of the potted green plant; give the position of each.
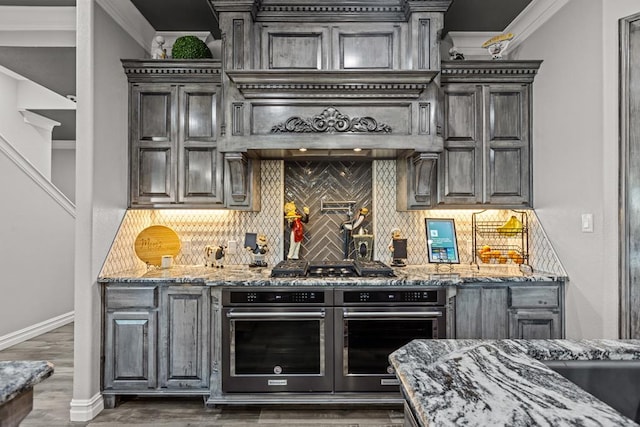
(190, 47)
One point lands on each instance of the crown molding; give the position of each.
(489, 71)
(531, 18)
(526, 23)
(38, 26)
(178, 70)
(469, 43)
(131, 20)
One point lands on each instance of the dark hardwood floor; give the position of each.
(52, 398)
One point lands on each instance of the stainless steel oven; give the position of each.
(277, 340)
(372, 323)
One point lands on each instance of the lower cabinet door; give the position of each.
(183, 353)
(481, 313)
(534, 324)
(130, 350)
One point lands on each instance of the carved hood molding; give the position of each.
(331, 120)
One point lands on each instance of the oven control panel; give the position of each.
(393, 296)
(276, 297)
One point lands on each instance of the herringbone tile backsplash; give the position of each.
(366, 184)
(329, 184)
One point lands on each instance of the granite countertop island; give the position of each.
(504, 382)
(242, 275)
(17, 379)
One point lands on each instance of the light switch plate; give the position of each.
(232, 247)
(186, 246)
(587, 223)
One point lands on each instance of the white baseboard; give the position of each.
(32, 331)
(86, 409)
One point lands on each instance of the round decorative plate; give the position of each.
(154, 242)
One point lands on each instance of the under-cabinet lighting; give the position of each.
(357, 150)
(302, 149)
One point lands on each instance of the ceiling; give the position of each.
(196, 15)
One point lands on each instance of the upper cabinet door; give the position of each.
(153, 136)
(305, 48)
(461, 161)
(200, 170)
(507, 140)
(500, 174)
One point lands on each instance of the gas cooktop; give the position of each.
(326, 268)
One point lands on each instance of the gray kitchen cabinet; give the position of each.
(156, 340)
(173, 134)
(486, 158)
(535, 312)
(183, 349)
(481, 312)
(174, 158)
(508, 310)
(534, 324)
(130, 334)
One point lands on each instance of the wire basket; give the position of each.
(500, 238)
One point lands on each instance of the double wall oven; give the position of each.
(372, 323)
(323, 339)
(277, 340)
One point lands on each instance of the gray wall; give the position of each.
(63, 171)
(36, 253)
(575, 153)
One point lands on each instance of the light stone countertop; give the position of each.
(242, 275)
(504, 382)
(17, 377)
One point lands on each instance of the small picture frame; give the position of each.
(250, 240)
(442, 243)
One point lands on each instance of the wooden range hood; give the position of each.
(330, 77)
(378, 113)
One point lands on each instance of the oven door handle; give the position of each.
(385, 314)
(272, 314)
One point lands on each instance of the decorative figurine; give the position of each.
(455, 55)
(214, 256)
(498, 45)
(258, 249)
(295, 218)
(349, 227)
(398, 248)
(159, 52)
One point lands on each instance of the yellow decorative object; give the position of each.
(290, 211)
(512, 227)
(498, 45)
(154, 242)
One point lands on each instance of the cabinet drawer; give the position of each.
(129, 297)
(534, 296)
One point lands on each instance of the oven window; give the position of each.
(271, 347)
(368, 343)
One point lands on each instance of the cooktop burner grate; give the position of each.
(329, 268)
(290, 268)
